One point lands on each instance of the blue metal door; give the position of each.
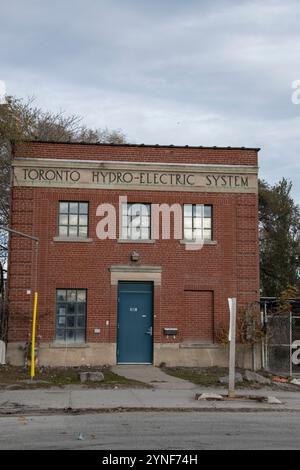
(135, 317)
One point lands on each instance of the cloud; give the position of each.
(198, 73)
(2, 91)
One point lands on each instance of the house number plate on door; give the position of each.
(133, 309)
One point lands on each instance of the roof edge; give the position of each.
(257, 149)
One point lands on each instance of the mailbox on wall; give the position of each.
(170, 331)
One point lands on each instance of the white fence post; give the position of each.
(232, 339)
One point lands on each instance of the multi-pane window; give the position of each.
(136, 221)
(70, 315)
(197, 222)
(73, 219)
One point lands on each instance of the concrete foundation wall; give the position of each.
(172, 355)
(92, 354)
(201, 356)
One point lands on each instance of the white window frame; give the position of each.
(70, 224)
(197, 224)
(136, 221)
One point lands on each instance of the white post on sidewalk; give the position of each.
(232, 339)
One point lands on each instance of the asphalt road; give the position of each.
(157, 430)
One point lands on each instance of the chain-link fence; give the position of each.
(295, 348)
(283, 343)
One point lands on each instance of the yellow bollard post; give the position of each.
(33, 334)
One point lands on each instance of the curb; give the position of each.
(120, 409)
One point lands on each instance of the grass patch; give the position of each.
(12, 377)
(209, 376)
(206, 376)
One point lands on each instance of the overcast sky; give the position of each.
(194, 72)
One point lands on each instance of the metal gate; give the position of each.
(283, 343)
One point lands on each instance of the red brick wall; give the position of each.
(199, 316)
(212, 155)
(227, 269)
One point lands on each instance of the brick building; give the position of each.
(133, 297)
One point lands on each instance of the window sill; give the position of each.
(72, 239)
(200, 346)
(64, 345)
(125, 240)
(206, 242)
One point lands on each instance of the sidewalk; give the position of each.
(74, 399)
(167, 393)
(152, 376)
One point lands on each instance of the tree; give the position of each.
(279, 230)
(21, 120)
(285, 300)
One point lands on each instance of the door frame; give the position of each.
(152, 317)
